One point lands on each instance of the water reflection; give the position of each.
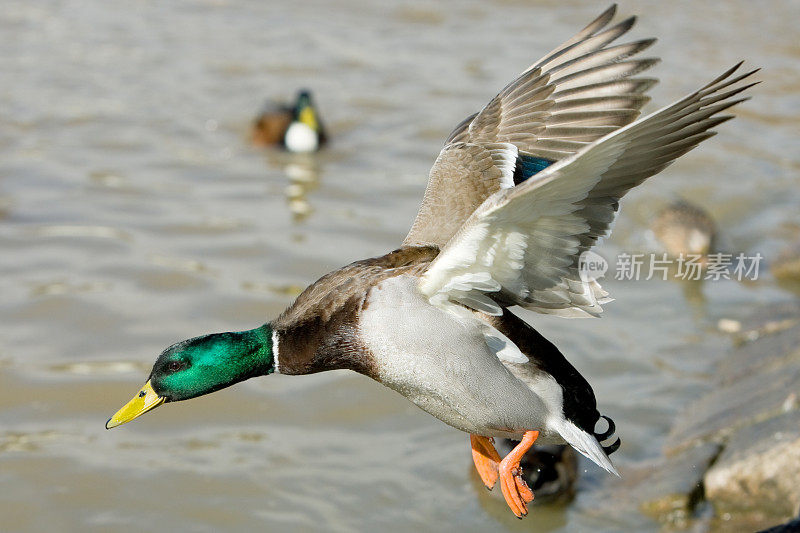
(5, 207)
(550, 517)
(693, 293)
(303, 172)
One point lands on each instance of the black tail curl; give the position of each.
(609, 432)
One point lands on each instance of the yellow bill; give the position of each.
(145, 400)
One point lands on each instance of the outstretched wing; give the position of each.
(522, 245)
(581, 91)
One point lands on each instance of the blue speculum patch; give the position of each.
(528, 165)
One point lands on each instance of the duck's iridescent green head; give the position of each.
(304, 111)
(200, 366)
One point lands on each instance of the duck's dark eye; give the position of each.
(174, 366)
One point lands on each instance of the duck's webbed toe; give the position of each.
(486, 459)
(515, 490)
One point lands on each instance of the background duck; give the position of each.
(432, 320)
(297, 128)
(685, 229)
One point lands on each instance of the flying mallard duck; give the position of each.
(518, 192)
(297, 128)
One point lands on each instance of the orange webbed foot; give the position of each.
(515, 490)
(486, 459)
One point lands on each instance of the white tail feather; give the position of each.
(585, 443)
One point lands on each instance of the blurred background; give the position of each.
(134, 213)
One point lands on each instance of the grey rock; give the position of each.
(760, 379)
(759, 470)
(756, 397)
(753, 417)
(666, 490)
(732, 459)
(672, 491)
(792, 526)
(778, 343)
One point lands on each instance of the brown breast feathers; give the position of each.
(319, 331)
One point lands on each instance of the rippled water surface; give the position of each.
(133, 214)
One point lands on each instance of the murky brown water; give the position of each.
(132, 215)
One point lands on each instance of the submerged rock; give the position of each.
(754, 416)
(674, 487)
(792, 526)
(732, 458)
(758, 395)
(667, 490)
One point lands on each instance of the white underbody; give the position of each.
(451, 367)
(301, 138)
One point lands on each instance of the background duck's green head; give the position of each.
(199, 366)
(304, 111)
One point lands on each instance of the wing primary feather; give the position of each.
(528, 239)
(612, 54)
(590, 29)
(722, 76)
(532, 113)
(611, 87)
